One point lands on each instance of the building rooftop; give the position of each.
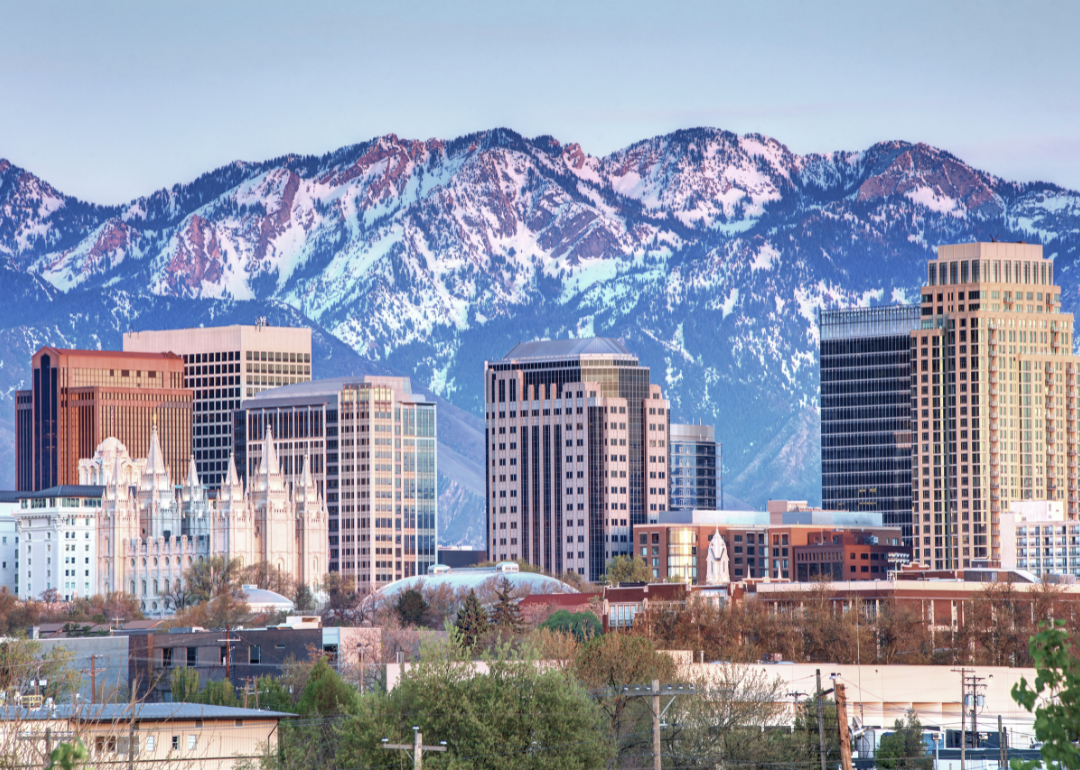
(465, 578)
(65, 490)
(815, 518)
(146, 712)
(603, 346)
(10, 496)
(109, 353)
(686, 432)
(330, 387)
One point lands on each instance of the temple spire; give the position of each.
(269, 465)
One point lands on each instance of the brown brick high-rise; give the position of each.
(78, 398)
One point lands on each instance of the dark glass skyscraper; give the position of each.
(694, 468)
(865, 366)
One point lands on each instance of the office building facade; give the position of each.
(865, 375)
(223, 365)
(994, 398)
(576, 453)
(79, 398)
(371, 445)
(694, 468)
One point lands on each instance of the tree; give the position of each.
(270, 578)
(344, 605)
(610, 662)
(472, 620)
(903, 748)
(303, 599)
(627, 569)
(1057, 685)
(718, 725)
(326, 693)
(411, 607)
(273, 695)
(219, 693)
(506, 614)
(516, 714)
(207, 577)
(581, 625)
(184, 685)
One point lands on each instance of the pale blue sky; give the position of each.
(113, 100)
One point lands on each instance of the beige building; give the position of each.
(577, 450)
(994, 399)
(165, 735)
(370, 443)
(223, 364)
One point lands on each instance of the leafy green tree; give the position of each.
(219, 693)
(273, 695)
(472, 620)
(581, 625)
(802, 746)
(1057, 683)
(184, 685)
(608, 663)
(517, 715)
(903, 748)
(627, 569)
(68, 756)
(326, 693)
(506, 615)
(325, 699)
(411, 607)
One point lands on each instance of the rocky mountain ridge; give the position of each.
(709, 253)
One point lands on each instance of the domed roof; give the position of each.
(262, 600)
(474, 577)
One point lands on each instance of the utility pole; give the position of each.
(1003, 749)
(841, 716)
(963, 714)
(418, 748)
(93, 680)
(654, 692)
(131, 735)
(656, 723)
(821, 720)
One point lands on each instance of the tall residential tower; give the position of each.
(994, 398)
(576, 453)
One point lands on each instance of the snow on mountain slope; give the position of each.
(710, 253)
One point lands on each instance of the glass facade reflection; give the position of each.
(865, 370)
(694, 468)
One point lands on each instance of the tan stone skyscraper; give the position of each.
(994, 398)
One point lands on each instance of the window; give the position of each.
(254, 653)
(192, 741)
(151, 743)
(176, 743)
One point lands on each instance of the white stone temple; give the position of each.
(149, 531)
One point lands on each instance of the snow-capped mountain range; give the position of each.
(707, 252)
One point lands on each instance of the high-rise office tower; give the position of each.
(370, 445)
(78, 398)
(865, 368)
(994, 398)
(576, 453)
(694, 468)
(224, 364)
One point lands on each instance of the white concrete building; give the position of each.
(9, 543)
(1036, 536)
(128, 528)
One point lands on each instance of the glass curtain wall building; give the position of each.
(694, 470)
(865, 370)
(576, 445)
(371, 444)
